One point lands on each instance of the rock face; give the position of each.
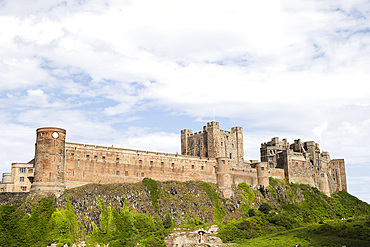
(199, 237)
(12, 198)
(182, 200)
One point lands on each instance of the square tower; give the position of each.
(213, 143)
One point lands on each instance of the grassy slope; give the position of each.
(298, 214)
(346, 233)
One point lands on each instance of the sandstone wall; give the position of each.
(97, 164)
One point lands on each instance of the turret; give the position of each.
(262, 174)
(213, 139)
(239, 144)
(323, 183)
(49, 161)
(224, 180)
(185, 141)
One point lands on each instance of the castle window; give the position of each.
(270, 158)
(322, 175)
(22, 170)
(151, 162)
(162, 164)
(117, 159)
(222, 143)
(87, 156)
(232, 145)
(271, 166)
(72, 154)
(192, 166)
(95, 157)
(23, 188)
(230, 155)
(117, 172)
(137, 174)
(140, 162)
(202, 167)
(47, 134)
(173, 165)
(30, 170)
(21, 179)
(142, 174)
(103, 157)
(126, 173)
(223, 162)
(262, 168)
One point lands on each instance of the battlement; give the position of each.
(213, 123)
(72, 147)
(236, 128)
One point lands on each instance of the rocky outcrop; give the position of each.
(199, 237)
(182, 200)
(12, 198)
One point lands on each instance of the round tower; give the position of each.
(262, 174)
(224, 179)
(323, 183)
(49, 161)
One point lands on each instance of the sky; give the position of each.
(134, 73)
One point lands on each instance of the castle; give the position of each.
(211, 155)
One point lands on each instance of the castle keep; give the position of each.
(211, 155)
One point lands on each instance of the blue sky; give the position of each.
(134, 73)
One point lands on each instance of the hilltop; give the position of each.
(146, 212)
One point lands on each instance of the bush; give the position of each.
(154, 192)
(167, 223)
(219, 211)
(251, 212)
(265, 208)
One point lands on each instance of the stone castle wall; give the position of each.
(97, 164)
(212, 155)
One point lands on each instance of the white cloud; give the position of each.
(293, 69)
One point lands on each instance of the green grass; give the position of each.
(153, 190)
(354, 233)
(219, 212)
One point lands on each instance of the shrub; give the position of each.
(153, 190)
(265, 208)
(251, 212)
(219, 211)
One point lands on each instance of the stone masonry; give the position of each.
(212, 155)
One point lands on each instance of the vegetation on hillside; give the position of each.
(283, 214)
